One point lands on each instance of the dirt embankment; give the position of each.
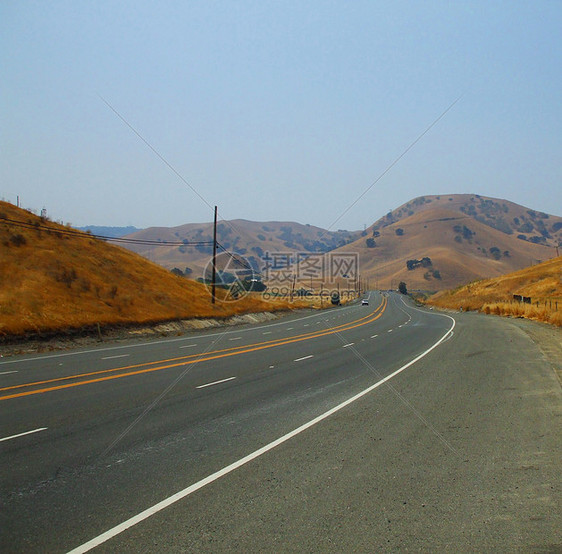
(89, 336)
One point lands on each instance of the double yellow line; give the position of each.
(148, 367)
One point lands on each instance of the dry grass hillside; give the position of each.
(50, 281)
(439, 242)
(540, 284)
(448, 239)
(249, 238)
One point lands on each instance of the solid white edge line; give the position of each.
(152, 343)
(118, 529)
(23, 434)
(215, 383)
(7, 372)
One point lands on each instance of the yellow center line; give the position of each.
(187, 357)
(198, 358)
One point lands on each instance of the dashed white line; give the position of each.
(346, 345)
(390, 330)
(266, 333)
(374, 336)
(188, 346)
(303, 358)
(235, 338)
(113, 357)
(143, 344)
(7, 372)
(290, 328)
(169, 501)
(23, 434)
(215, 383)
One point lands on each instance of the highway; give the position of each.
(364, 428)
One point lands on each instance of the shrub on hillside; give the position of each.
(18, 240)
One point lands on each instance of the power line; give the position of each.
(165, 161)
(80, 234)
(239, 260)
(395, 161)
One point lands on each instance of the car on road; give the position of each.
(364, 302)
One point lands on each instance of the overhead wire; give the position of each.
(84, 235)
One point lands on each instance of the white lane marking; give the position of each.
(23, 434)
(306, 325)
(290, 328)
(114, 357)
(188, 346)
(346, 345)
(390, 331)
(374, 336)
(303, 358)
(7, 372)
(235, 338)
(164, 341)
(118, 529)
(266, 333)
(215, 383)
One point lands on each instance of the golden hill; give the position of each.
(51, 281)
(439, 242)
(541, 284)
(251, 239)
(465, 237)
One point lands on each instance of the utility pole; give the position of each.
(214, 274)
(293, 287)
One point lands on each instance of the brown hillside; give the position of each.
(541, 284)
(465, 237)
(249, 238)
(49, 282)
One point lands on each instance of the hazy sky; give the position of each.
(276, 110)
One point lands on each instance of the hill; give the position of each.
(55, 278)
(439, 242)
(109, 231)
(538, 290)
(249, 238)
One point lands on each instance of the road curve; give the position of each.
(256, 438)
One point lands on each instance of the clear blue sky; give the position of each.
(276, 110)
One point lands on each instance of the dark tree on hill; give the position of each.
(399, 232)
(370, 242)
(402, 289)
(495, 252)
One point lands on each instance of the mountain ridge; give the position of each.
(466, 237)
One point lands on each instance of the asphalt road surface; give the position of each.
(360, 428)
